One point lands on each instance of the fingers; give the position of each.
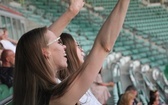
(82, 2)
(76, 6)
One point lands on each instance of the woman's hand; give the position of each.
(76, 6)
(111, 84)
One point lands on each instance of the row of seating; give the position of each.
(140, 50)
(142, 77)
(86, 30)
(86, 25)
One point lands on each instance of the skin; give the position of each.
(54, 50)
(10, 60)
(157, 94)
(59, 25)
(4, 35)
(80, 52)
(131, 101)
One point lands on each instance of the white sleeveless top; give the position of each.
(8, 45)
(87, 99)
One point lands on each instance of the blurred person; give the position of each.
(1, 49)
(6, 70)
(75, 58)
(40, 54)
(132, 89)
(7, 42)
(127, 99)
(100, 90)
(134, 92)
(153, 94)
(154, 100)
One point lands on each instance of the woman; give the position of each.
(75, 58)
(40, 54)
(74, 54)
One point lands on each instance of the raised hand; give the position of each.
(76, 6)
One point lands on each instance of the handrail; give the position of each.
(115, 68)
(6, 100)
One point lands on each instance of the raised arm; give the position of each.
(105, 40)
(58, 26)
(102, 46)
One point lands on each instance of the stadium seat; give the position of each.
(120, 90)
(115, 95)
(4, 91)
(116, 73)
(142, 98)
(11, 90)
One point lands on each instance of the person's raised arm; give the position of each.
(58, 26)
(106, 38)
(102, 46)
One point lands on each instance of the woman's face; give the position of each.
(56, 52)
(157, 94)
(11, 58)
(156, 102)
(80, 52)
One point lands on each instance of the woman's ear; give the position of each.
(46, 53)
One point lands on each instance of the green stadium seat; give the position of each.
(4, 91)
(126, 53)
(144, 60)
(11, 90)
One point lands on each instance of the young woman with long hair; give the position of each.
(75, 58)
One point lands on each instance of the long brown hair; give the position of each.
(34, 81)
(74, 65)
(72, 57)
(33, 78)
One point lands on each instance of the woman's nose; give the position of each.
(81, 48)
(64, 46)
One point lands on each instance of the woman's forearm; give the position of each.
(111, 84)
(59, 25)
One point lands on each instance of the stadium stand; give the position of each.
(139, 56)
